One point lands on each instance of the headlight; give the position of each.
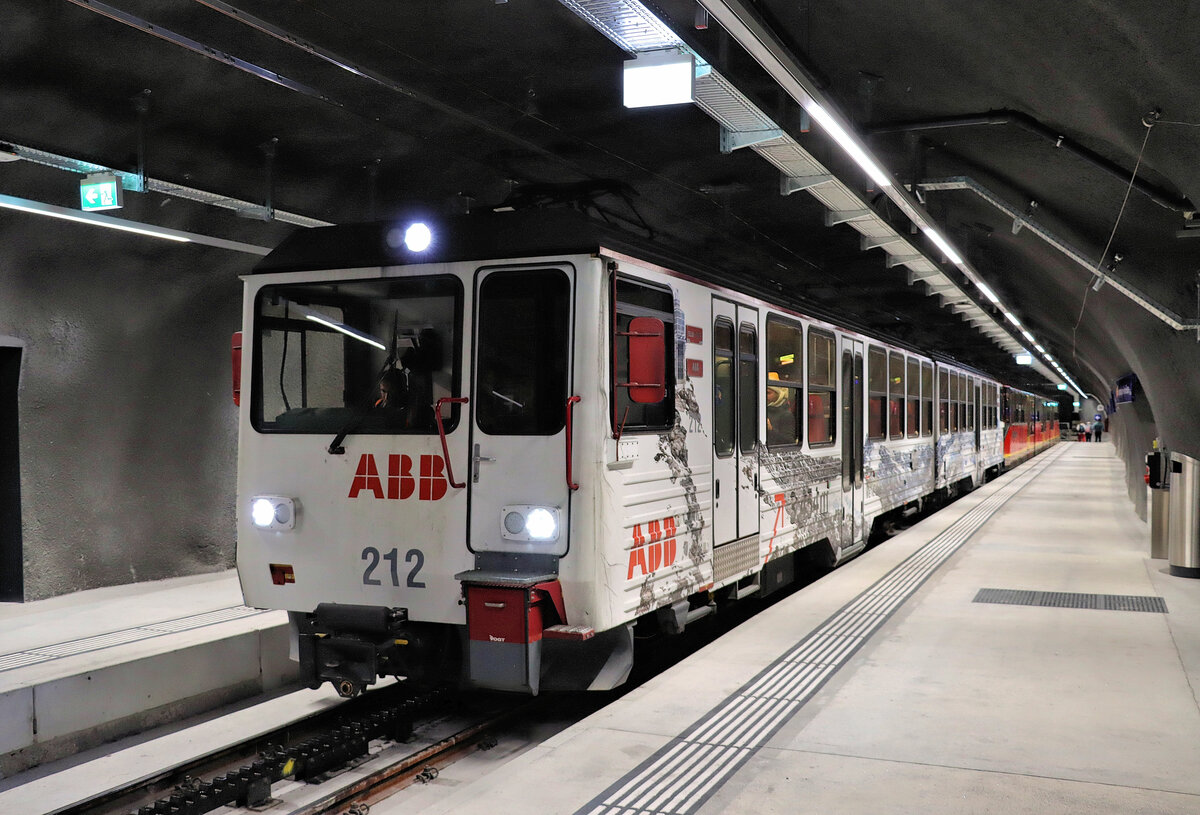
(273, 512)
(526, 522)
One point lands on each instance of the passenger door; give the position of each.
(735, 412)
(522, 378)
(853, 489)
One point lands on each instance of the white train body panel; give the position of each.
(692, 496)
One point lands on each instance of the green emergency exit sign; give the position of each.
(100, 191)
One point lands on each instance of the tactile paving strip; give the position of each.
(682, 775)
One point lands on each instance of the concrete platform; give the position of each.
(889, 687)
(80, 670)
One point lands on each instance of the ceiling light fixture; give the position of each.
(108, 222)
(943, 244)
(665, 77)
(987, 292)
(746, 25)
(38, 208)
(852, 148)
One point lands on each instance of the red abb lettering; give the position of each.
(648, 556)
(655, 546)
(433, 478)
(400, 481)
(637, 555)
(669, 543)
(366, 477)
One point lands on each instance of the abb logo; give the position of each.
(648, 556)
(430, 484)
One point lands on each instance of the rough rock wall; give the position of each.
(127, 428)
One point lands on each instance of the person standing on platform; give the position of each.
(1097, 429)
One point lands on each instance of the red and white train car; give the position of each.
(488, 447)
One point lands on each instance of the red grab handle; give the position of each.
(570, 406)
(437, 414)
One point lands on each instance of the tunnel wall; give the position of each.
(1133, 431)
(128, 433)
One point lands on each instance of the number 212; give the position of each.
(372, 556)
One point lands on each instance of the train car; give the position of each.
(1030, 424)
(969, 438)
(489, 446)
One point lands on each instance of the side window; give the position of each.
(822, 387)
(964, 401)
(876, 392)
(634, 299)
(913, 405)
(926, 399)
(747, 387)
(943, 401)
(724, 389)
(896, 395)
(968, 422)
(955, 401)
(784, 388)
(523, 340)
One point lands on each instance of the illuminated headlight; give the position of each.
(273, 512)
(417, 237)
(529, 523)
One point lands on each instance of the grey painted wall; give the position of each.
(1133, 430)
(128, 433)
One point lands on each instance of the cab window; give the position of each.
(361, 356)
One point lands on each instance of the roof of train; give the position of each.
(521, 234)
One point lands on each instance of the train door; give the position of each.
(735, 411)
(977, 412)
(522, 379)
(853, 490)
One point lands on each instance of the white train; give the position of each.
(486, 448)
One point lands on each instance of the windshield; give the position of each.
(376, 352)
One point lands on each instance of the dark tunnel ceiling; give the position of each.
(483, 97)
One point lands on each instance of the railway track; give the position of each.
(379, 742)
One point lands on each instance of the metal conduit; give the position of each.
(964, 183)
(133, 182)
(1023, 120)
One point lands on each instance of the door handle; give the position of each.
(717, 489)
(475, 459)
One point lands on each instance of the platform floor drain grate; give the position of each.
(1066, 599)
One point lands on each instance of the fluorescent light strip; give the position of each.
(943, 244)
(987, 292)
(742, 20)
(38, 208)
(108, 222)
(848, 144)
(345, 329)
